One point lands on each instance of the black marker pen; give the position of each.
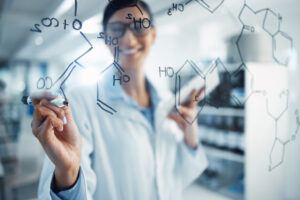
(58, 102)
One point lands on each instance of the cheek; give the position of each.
(147, 43)
(111, 49)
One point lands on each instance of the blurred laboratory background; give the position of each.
(248, 125)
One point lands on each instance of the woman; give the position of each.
(132, 154)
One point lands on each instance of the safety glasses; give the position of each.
(118, 29)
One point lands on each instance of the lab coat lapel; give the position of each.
(161, 113)
(111, 94)
(125, 111)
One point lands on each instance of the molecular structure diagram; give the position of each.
(298, 125)
(209, 5)
(115, 65)
(58, 85)
(280, 56)
(184, 72)
(276, 34)
(280, 138)
(47, 83)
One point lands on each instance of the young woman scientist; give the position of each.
(132, 154)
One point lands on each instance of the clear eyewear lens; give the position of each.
(137, 29)
(118, 29)
(115, 30)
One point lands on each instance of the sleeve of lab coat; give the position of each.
(189, 163)
(76, 192)
(88, 175)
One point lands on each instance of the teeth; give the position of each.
(129, 51)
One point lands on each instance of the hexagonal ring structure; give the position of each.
(210, 5)
(188, 71)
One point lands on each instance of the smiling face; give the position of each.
(133, 48)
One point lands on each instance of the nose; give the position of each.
(128, 39)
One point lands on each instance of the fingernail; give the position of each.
(61, 129)
(64, 120)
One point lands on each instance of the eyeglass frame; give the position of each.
(128, 26)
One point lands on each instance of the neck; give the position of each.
(136, 87)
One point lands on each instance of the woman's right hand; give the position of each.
(61, 142)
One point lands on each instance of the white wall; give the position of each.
(280, 182)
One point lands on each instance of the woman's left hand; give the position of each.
(189, 112)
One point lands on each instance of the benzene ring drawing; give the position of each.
(188, 71)
(210, 5)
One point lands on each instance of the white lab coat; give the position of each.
(122, 156)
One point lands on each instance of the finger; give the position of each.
(37, 97)
(201, 92)
(36, 130)
(58, 111)
(177, 118)
(47, 127)
(51, 123)
(196, 97)
(40, 114)
(180, 125)
(187, 111)
(35, 101)
(55, 123)
(191, 102)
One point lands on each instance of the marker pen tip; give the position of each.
(24, 99)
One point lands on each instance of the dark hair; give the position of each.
(115, 5)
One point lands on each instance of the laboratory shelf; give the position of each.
(223, 154)
(223, 111)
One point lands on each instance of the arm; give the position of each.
(85, 185)
(186, 121)
(75, 192)
(190, 159)
(189, 163)
(54, 159)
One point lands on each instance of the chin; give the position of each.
(132, 63)
(129, 66)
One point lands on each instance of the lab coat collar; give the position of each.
(115, 92)
(124, 104)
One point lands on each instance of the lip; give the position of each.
(130, 51)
